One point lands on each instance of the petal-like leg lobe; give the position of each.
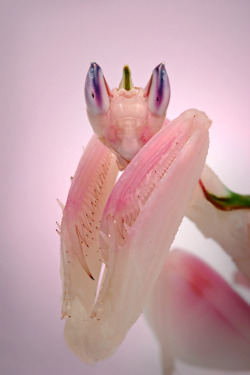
(197, 316)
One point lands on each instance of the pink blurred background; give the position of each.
(46, 47)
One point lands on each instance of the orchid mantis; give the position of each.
(115, 236)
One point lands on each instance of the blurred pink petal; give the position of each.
(231, 229)
(197, 317)
(138, 226)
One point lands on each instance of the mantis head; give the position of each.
(126, 118)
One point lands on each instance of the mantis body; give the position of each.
(126, 228)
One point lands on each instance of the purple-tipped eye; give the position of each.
(97, 91)
(158, 91)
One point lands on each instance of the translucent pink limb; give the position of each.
(137, 228)
(81, 259)
(139, 223)
(197, 317)
(229, 227)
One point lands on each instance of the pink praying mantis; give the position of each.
(116, 236)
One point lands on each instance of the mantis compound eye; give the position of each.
(97, 91)
(158, 91)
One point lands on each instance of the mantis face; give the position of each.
(126, 118)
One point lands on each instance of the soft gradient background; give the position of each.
(46, 47)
